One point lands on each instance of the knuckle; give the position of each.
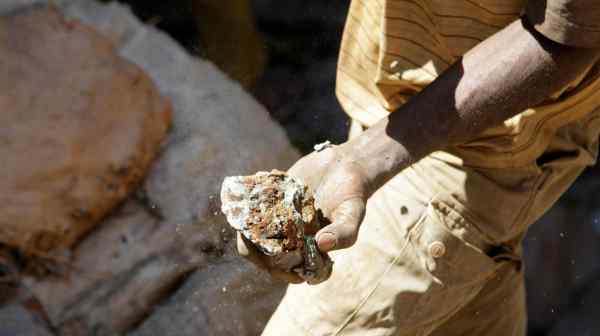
(242, 249)
(284, 276)
(348, 233)
(242, 253)
(348, 239)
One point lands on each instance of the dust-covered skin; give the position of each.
(488, 85)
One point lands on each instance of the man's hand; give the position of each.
(340, 190)
(488, 85)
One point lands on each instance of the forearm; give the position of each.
(512, 70)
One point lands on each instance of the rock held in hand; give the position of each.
(277, 214)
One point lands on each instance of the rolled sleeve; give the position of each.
(570, 22)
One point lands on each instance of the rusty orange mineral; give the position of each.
(277, 214)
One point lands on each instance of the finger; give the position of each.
(288, 277)
(343, 230)
(247, 250)
(310, 169)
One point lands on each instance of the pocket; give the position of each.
(448, 248)
(458, 269)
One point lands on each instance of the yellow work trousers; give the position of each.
(439, 251)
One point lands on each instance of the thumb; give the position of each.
(343, 230)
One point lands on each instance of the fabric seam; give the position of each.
(389, 267)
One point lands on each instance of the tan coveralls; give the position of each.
(439, 252)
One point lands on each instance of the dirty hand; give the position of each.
(340, 190)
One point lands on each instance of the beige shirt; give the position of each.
(391, 49)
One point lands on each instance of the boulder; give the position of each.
(227, 298)
(221, 31)
(142, 267)
(18, 321)
(80, 126)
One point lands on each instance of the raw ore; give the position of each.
(277, 214)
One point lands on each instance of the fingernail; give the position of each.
(326, 241)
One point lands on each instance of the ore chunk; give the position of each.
(270, 209)
(277, 214)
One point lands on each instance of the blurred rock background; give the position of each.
(297, 48)
(302, 39)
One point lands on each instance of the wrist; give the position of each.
(348, 157)
(376, 155)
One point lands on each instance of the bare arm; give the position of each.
(512, 70)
